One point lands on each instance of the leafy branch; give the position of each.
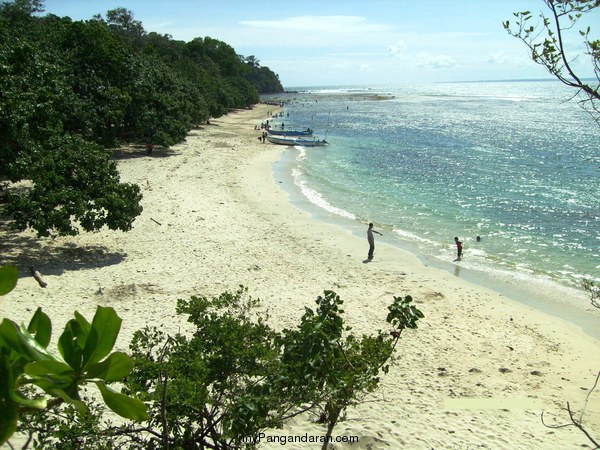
(594, 292)
(546, 42)
(333, 368)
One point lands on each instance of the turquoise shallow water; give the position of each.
(511, 162)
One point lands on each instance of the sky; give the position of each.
(350, 42)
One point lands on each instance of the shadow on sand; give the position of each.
(134, 152)
(49, 257)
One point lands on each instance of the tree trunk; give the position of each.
(331, 422)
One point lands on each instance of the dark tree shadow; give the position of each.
(24, 251)
(135, 151)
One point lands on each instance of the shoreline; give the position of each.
(577, 310)
(223, 220)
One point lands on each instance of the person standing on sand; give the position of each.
(458, 248)
(371, 240)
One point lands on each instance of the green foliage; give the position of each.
(50, 114)
(85, 356)
(73, 183)
(545, 37)
(235, 376)
(265, 80)
(72, 89)
(210, 389)
(62, 426)
(335, 369)
(8, 279)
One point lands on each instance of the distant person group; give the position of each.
(459, 247)
(371, 241)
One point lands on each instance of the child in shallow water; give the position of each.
(458, 248)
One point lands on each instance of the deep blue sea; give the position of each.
(515, 163)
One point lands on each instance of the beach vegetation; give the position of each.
(74, 90)
(8, 279)
(333, 368)
(265, 80)
(32, 378)
(227, 381)
(545, 35)
(593, 290)
(236, 377)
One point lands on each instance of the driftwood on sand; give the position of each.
(38, 277)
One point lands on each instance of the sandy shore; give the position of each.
(476, 374)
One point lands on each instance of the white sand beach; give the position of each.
(477, 373)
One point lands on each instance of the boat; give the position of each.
(280, 140)
(307, 132)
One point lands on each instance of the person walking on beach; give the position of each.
(458, 249)
(371, 240)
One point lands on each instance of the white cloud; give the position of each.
(330, 24)
(397, 49)
(497, 58)
(428, 61)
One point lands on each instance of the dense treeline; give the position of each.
(71, 89)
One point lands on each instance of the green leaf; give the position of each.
(83, 322)
(68, 348)
(9, 335)
(8, 419)
(47, 368)
(41, 326)
(78, 404)
(9, 410)
(57, 384)
(82, 330)
(128, 407)
(106, 324)
(114, 368)
(37, 403)
(8, 279)
(31, 348)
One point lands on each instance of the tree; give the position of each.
(22, 8)
(100, 73)
(547, 44)
(74, 186)
(265, 80)
(121, 20)
(210, 390)
(332, 368)
(71, 90)
(67, 182)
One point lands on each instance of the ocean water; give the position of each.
(515, 163)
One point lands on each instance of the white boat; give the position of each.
(290, 133)
(296, 141)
